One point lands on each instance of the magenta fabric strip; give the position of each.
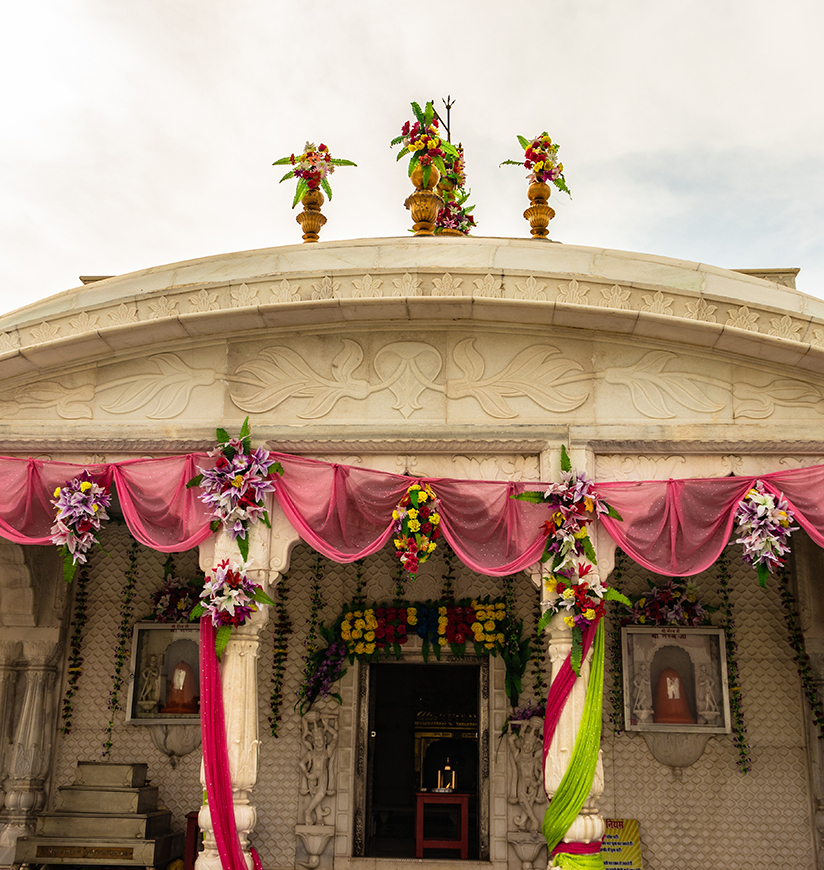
(560, 689)
(592, 848)
(216, 755)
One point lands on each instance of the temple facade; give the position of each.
(465, 358)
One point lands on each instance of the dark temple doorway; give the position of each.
(421, 718)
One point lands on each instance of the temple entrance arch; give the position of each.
(412, 717)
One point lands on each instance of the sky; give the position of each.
(141, 132)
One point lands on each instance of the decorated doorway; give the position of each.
(418, 720)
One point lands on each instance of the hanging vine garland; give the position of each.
(75, 668)
(309, 659)
(538, 657)
(448, 591)
(516, 650)
(360, 584)
(801, 657)
(283, 628)
(739, 729)
(616, 657)
(400, 584)
(123, 635)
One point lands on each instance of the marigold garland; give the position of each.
(123, 636)
(75, 664)
(417, 526)
(283, 629)
(739, 729)
(801, 657)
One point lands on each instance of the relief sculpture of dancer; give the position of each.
(525, 771)
(320, 739)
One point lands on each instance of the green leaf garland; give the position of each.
(283, 628)
(75, 664)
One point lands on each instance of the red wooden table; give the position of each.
(459, 799)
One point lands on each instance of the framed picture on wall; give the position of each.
(675, 679)
(164, 682)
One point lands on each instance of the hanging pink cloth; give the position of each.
(216, 755)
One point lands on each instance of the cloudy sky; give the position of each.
(141, 132)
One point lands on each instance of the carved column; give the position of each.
(9, 652)
(31, 746)
(239, 682)
(589, 824)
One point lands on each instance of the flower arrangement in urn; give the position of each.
(454, 218)
(312, 169)
(421, 141)
(541, 159)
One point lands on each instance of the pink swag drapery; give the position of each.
(672, 527)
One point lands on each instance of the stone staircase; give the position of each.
(108, 817)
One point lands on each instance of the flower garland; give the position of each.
(312, 169)
(228, 598)
(236, 487)
(516, 650)
(538, 656)
(123, 635)
(739, 729)
(422, 139)
(616, 658)
(81, 511)
(541, 159)
(417, 526)
(675, 602)
(801, 657)
(764, 525)
(75, 664)
(283, 628)
(371, 633)
(175, 600)
(573, 503)
(583, 601)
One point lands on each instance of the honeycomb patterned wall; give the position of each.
(712, 815)
(180, 789)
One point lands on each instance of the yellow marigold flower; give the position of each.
(568, 593)
(442, 621)
(411, 611)
(476, 627)
(57, 492)
(441, 611)
(500, 638)
(500, 606)
(423, 496)
(442, 641)
(431, 547)
(395, 515)
(550, 583)
(434, 518)
(415, 487)
(360, 648)
(538, 166)
(489, 645)
(360, 623)
(589, 614)
(369, 648)
(489, 625)
(370, 636)
(358, 613)
(398, 543)
(346, 635)
(412, 514)
(357, 633)
(570, 621)
(414, 526)
(348, 615)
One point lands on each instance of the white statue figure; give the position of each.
(707, 702)
(642, 690)
(320, 737)
(150, 690)
(524, 761)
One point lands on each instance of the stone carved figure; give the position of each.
(707, 702)
(524, 762)
(320, 739)
(150, 691)
(642, 694)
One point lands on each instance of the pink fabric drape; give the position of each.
(673, 527)
(159, 511)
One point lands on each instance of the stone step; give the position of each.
(106, 773)
(156, 852)
(97, 799)
(89, 826)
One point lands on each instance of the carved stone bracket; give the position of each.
(676, 750)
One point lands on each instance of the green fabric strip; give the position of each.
(576, 783)
(579, 862)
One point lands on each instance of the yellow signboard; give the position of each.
(622, 845)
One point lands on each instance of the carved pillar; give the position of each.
(9, 653)
(239, 682)
(589, 824)
(31, 746)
